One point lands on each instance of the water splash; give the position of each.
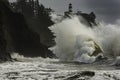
(78, 42)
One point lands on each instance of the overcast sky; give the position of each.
(106, 10)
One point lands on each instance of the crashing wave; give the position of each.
(78, 42)
(74, 41)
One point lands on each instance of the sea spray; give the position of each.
(77, 42)
(108, 36)
(72, 40)
(22, 58)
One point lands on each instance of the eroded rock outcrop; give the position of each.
(23, 39)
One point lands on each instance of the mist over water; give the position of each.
(77, 42)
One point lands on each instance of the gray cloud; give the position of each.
(107, 9)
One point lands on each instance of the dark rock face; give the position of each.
(90, 18)
(24, 40)
(37, 18)
(4, 55)
(32, 20)
(80, 75)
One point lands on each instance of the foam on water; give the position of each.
(76, 41)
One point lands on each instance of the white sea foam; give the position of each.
(76, 41)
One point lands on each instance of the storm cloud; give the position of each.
(107, 10)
